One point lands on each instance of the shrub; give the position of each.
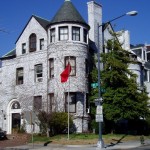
(59, 122)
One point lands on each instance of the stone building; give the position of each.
(30, 73)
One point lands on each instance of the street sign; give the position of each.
(98, 101)
(99, 118)
(94, 85)
(99, 110)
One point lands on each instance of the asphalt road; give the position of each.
(146, 147)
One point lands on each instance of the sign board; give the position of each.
(94, 85)
(98, 101)
(99, 110)
(99, 118)
(30, 116)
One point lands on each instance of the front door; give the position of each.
(16, 121)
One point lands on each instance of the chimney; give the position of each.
(94, 19)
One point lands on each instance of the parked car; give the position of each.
(3, 135)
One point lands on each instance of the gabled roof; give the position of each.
(9, 55)
(68, 13)
(43, 22)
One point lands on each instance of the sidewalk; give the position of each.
(122, 145)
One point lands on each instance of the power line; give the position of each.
(2, 30)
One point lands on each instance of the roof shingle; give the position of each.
(68, 13)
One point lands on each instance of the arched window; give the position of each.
(16, 105)
(32, 42)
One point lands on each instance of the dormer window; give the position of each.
(32, 42)
(63, 33)
(75, 33)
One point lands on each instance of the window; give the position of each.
(138, 52)
(85, 35)
(37, 102)
(16, 105)
(145, 77)
(51, 67)
(19, 76)
(72, 61)
(38, 73)
(41, 44)
(52, 35)
(63, 33)
(133, 57)
(52, 102)
(75, 33)
(23, 48)
(148, 56)
(72, 102)
(32, 42)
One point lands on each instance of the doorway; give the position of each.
(13, 116)
(16, 121)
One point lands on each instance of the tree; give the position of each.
(122, 98)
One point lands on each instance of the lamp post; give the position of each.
(100, 143)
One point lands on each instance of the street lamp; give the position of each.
(100, 143)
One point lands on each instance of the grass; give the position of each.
(80, 139)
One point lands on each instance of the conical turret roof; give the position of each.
(68, 13)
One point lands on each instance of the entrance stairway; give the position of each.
(15, 140)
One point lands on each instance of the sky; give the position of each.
(14, 15)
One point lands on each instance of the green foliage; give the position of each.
(59, 122)
(122, 99)
(55, 121)
(45, 119)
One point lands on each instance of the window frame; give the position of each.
(145, 75)
(52, 102)
(63, 36)
(42, 44)
(37, 106)
(52, 35)
(38, 77)
(75, 33)
(32, 42)
(66, 101)
(19, 81)
(72, 61)
(85, 34)
(23, 48)
(51, 68)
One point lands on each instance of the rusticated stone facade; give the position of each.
(16, 100)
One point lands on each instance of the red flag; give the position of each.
(65, 74)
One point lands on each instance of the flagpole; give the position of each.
(68, 100)
(64, 77)
(68, 110)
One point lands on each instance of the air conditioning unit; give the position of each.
(39, 79)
